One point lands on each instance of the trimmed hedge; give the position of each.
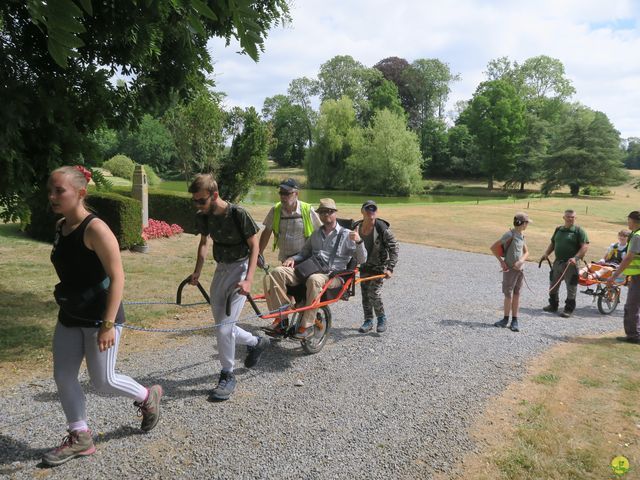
(122, 214)
(173, 209)
(169, 207)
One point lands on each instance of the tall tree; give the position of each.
(434, 145)
(531, 153)
(632, 153)
(57, 59)
(463, 155)
(393, 69)
(197, 130)
(430, 83)
(388, 161)
(289, 130)
(342, 76)
(586, 151)
(301, 92)
(246, 163)
(338, 135)
(382, 94)
(495, 117)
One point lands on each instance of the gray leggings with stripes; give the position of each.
(70, 346)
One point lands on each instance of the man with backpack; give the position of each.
(511, 252)
(235, 250)
(569, 243)
(382, 256)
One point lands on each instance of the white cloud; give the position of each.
(596, 41)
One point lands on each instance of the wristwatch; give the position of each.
(107, 325)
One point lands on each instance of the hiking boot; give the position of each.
(367, 326)
(550, 308)
(150, 408)
(303, 332)
(382, 324)
(224, 389)
(502, 323)
(514, 326)
(569, 307)
(254, 352)
(75, 444)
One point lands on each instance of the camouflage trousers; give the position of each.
(371, 296)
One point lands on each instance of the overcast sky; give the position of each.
(598, 42)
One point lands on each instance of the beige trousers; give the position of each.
(275, 290)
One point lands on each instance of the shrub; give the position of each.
(120, 166)
(595, 191)
(152, 176)
(122, 214)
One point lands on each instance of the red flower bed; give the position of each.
(159, 229)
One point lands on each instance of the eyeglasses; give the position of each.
(371, 208)
(201, 201)
(326, 212)
(284, 193)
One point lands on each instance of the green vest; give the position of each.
(307, 224)
(634, 267)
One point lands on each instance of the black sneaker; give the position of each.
(502, 323)
(566, 314)
(254, 352)
(224, 389)
(514, 326)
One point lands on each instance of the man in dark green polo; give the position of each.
(569, 243)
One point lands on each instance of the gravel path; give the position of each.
(396, 405)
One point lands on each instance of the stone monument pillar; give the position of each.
(140, 191)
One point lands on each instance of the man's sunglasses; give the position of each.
(326, 212)
(201, 201)
(371, 208)
(284, 193)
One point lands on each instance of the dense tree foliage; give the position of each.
(150, 144)
(197, 130)
(57, 59)
(289, 124)
(585, 152)
(337, 136)
(496, 118)
(388, 161)
(246, 163)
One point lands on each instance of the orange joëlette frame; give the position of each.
(317, 303)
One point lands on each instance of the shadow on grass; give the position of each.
(12, 231)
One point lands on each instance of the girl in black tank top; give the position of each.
(80, 272)
(87, 260)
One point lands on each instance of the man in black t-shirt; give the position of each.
(235, 250)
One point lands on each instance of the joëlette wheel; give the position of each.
(315, 342)
(608, 300)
